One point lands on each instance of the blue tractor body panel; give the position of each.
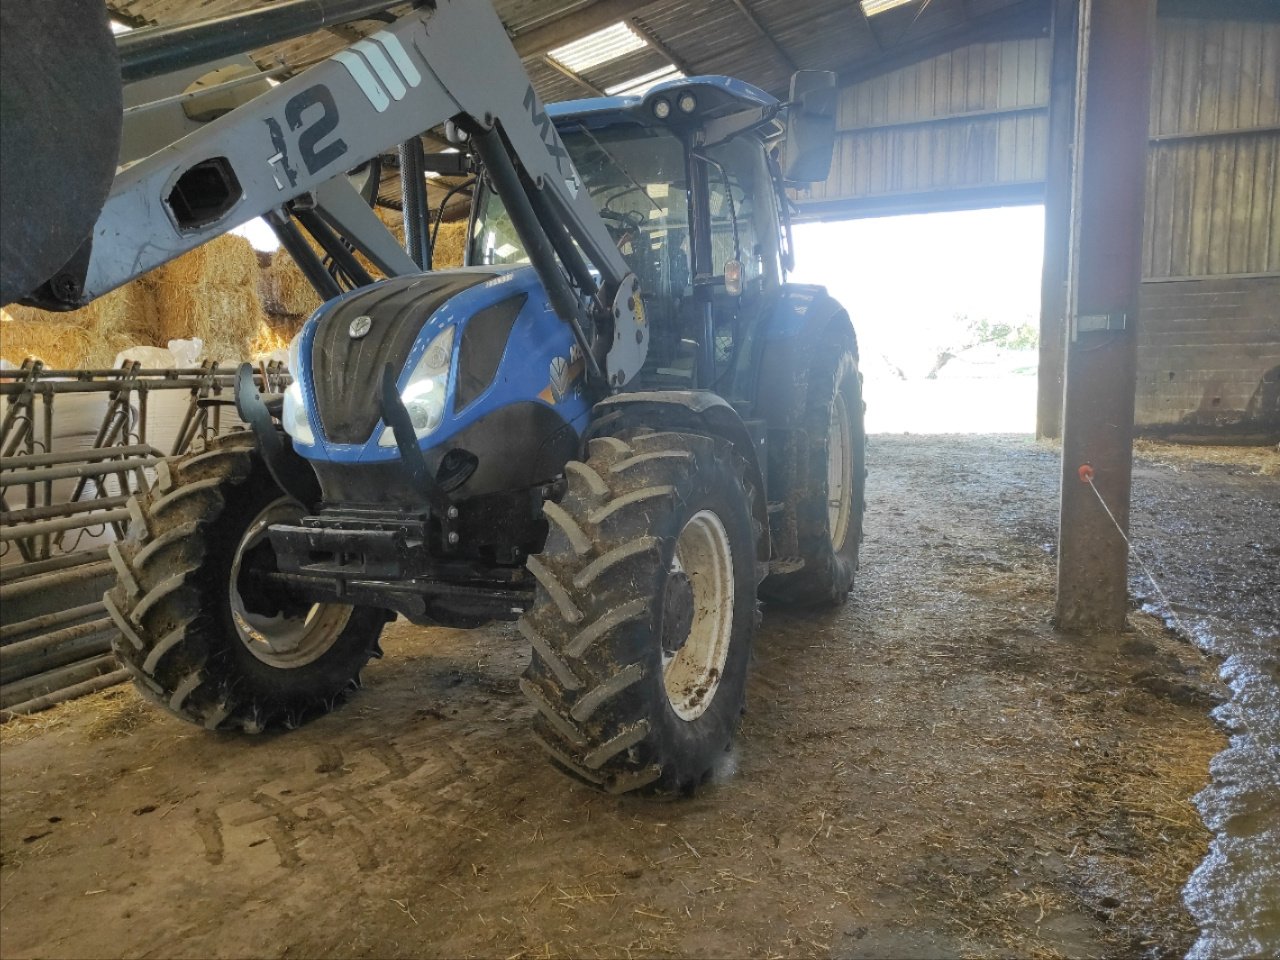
(539, 363)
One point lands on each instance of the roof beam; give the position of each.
(679, 62)
(574, 25)
(866, 22)
(760, 28)
(347, 34)
(573, 75)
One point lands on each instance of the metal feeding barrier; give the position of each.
(75, 447)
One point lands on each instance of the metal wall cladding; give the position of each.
(974, 117)
(1213, 181)
(978, 118)
(1209, 347)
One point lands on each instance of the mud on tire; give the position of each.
(630, 569)
(829, 491)
(175, 606)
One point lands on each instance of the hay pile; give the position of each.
(451, 242)
(289, 299)
(220, 293)
(210, 293)
(1261, 461)
(286, 295)
(272, 338)
(88, 337)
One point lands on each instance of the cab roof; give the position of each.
(715, 96)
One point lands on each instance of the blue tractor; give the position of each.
(454, 452)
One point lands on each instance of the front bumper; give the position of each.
(376, 559)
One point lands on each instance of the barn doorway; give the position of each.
(947, 309)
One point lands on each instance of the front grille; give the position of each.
(347, 373)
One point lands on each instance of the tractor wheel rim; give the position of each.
(282, 640)
(691, 676)
(839, 472)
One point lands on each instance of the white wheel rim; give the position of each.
(282, 641)
(691, 676)
(839, 472)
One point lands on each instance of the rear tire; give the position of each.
(645, 613)
(829, 494)
(195, 628)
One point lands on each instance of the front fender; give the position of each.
(689, 411)
(805, 321)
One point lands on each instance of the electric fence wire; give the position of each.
(1173, 615)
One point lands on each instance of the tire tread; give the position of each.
(156, 601)
(585, 677)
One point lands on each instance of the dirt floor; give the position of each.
(930, 771)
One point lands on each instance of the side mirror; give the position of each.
(811, 127)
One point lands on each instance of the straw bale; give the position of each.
(210, 293)
(285, 292)
(88, 337)
(288, 298)
(59, 344)
(273, 336)
(451, 241)
(394, 221)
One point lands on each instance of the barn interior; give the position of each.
(1046, 722)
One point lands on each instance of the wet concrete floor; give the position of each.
(1210, 532)
(930, 771)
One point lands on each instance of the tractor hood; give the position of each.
(358, 336)
(505, 346)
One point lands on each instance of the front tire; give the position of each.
(645, 613)
(203, 636)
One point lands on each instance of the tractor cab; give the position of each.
(687, 181)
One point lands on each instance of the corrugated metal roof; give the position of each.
(872, 7)
(760, 41)
(756, 40)
(598, 48)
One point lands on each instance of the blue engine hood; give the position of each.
(540, 362)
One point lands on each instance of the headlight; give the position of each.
(424, 394)
(293, 354)
(294, 416)
(296, 422)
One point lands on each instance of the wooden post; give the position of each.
(1057, 220)
(1108, 190)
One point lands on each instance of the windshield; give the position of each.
(636, 177)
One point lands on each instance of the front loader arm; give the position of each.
(451, 61)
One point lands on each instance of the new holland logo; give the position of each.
(359, 327)
(559, 378)
(370, 63)
(564, 375)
